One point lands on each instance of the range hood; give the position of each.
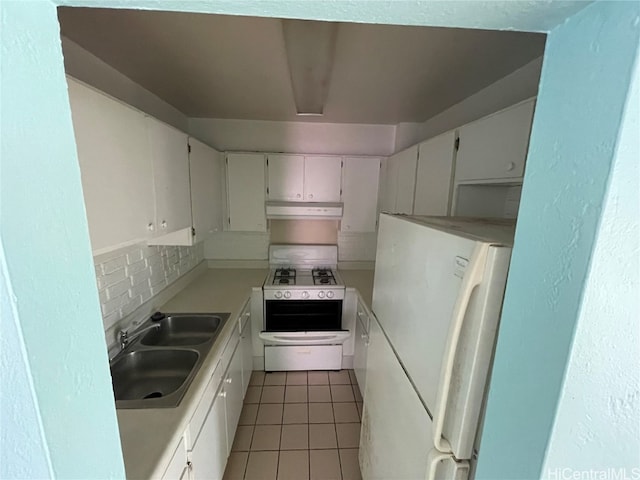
(303, 210)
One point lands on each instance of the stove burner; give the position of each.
(324, 280)
(285, 272)
(283, 280)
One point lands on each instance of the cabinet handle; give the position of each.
(223, 394)
(228, 379)
(510, 166)
(363, 336)
(298, 196)
(151, 227)
(164, 224)
(189, 466)
(311, 195)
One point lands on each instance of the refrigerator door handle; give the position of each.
(472, 278)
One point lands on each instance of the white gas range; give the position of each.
(303, 297)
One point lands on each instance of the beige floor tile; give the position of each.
(269, 414)
(345, 412)
(262, 466)
(272, 394)
(322, 435)
(319, 393)
(275, 378)
(320, 413)
(352, 376)
(266, 437)
(348, 435)
(257, 378)
(253, 395)
(349, 464)
(293, 465)
(296, 378)
(248, 415)
(295, 437)
(236, 465)
(340, 378)
(295, 394)
(359, 407)
(341, 393)
(356, 392)
(295, 413)
(318, 378)
(324, 465)
(242, 440)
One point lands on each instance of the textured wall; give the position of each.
(48, 255)
(598, 420)
(585, 79)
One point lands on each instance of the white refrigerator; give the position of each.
(437, 297)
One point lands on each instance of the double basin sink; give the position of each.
(156, 369)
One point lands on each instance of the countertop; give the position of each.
(149, 436)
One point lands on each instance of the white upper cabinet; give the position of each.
(170, 160)
(433, 178)
(115, 166)
(246, 192)
(322, 179)
(360, 194)
(205, 166)
(300, 178)
(286, 177)
(400, 181)
(495, 147)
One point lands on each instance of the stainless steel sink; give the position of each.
(156, 371)
(184, 330)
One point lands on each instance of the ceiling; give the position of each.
(219, 66)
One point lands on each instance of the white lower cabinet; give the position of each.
(246, 346)
(178, 467)
(209, 453)
(233, 394)
(361, 345)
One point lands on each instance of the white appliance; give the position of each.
(438, 290)
(303, 297)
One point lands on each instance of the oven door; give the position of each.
(303, 322)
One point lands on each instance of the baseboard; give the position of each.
(347, 362)
(258, 364)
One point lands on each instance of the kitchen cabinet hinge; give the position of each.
(188, 148)
(341, 163)
(267, 162)
(229, 220)
(267, 190)
(457, 144)
(193, 231)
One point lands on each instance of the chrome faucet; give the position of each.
(124, 338)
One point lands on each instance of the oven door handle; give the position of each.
(304, 338)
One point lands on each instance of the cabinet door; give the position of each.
(210, 450)
(406, 180)
(433, 180)
(177, 468)
(246, 347)
(206, 189)
(234, 395)
(390, 185)
(245, 192)
(115, 165)
(496, 146)
(170, 157)
(361, 344)
(360, 194)
(286, 177)
(322, 179)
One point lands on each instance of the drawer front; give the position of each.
(308, 357)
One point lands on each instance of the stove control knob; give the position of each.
(305, 294)
(278, 295)
(329, 294)
(287, 294)
(320, 294)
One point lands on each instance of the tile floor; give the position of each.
(298, 426)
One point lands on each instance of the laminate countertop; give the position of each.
(149, 436)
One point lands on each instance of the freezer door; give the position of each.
(418, 275)
(396, 435)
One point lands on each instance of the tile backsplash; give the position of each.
(130, 276)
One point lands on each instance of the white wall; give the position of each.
(294, 137)
(513, 88)
(85, 66)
